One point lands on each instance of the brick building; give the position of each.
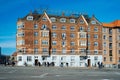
(111, 43)
(74, 41)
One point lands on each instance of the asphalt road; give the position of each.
(55, 73)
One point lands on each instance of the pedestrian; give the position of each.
(39, 64)
(98, 64)
(101, 65)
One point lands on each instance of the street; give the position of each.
(56, 73)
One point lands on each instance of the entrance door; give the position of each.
(36, 62)
(89, 62)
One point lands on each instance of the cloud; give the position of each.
(8, 44)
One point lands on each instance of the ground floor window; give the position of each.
(20, 58)
(29, 58)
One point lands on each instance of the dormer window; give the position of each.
(29, 18)
(93, 22)
(63, 20)
(81, 21)
(72, 20)
(44, 19)
(53, 19)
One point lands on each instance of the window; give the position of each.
(63, 50)
(29, 18)
(72, 50)
(96, 29)
(95, 51)
(81, 28)
(63, 27)
(72, 28)
(53, 19)
(95, 43)
(54, 42)
(54, 58)
(105, 52)
(104, 37)
(54, 27)
(35, 50)
(44, 19)
(110, 52)
(95, 58)
(104, 29)
(29, 58)
(88, 36)
(95, 36)
(72, 20)
(118, 44)
(19, 58)
(44, 27)
(45, 50)
(118, 37)
(63, 35)
(63, 58)
(72, 35)
(82, 43)
(93, 22)
(35, 26)
(82, 35)
(20, 42)
(20, 34)
(82, 57)
(45, 34)
(104, 44)
(72, 58)
(104, 59)
(54, 34)
(54, 50)
(72, 43)
(63, 43)
(110, 45)
(110, 31)
(88, 29)
(82, 51)
(63, 20)
(35, 34)
(88, 43)
(118, 51)
(81, 21)
(118, 30)
(36, 42)
(44, 42)
(20, 26)
(110, 58)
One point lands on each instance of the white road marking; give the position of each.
(105, 79)
(41, 76)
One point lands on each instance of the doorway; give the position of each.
(36, 62)
(89, 62)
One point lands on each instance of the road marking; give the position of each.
(41, 76)
(105, 79)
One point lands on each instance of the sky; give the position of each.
(11, 10)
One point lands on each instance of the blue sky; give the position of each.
(11, 10)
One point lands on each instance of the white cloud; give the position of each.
(8, 44)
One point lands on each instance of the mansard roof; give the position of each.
(115, 23)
